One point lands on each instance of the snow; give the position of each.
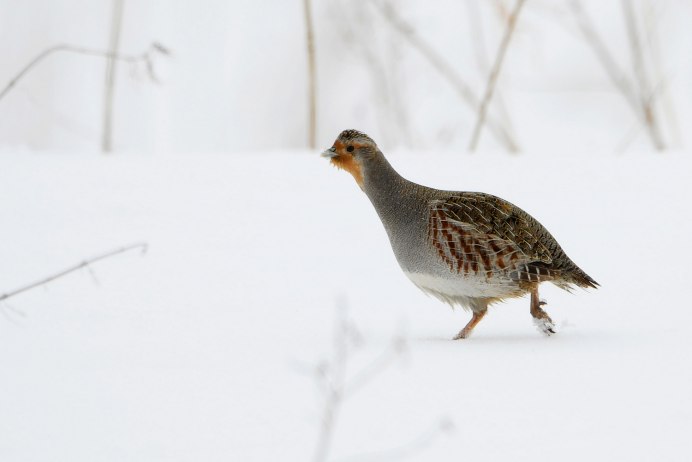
(202, 348)
(209, 346)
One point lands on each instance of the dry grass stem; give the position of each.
(332, 378)
(476, 29)
(665, 101)
(357, 29)
(494, 73)
(312, 77)
(84, 264)
(444, 69)
(146, 58)
(641, 98)
(646, 99)
(109, 87)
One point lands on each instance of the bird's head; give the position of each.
(352, 151)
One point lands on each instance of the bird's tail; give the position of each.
(580, 278)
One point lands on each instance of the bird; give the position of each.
(468, 249)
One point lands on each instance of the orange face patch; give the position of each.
(344, 160)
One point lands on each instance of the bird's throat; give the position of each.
(349, 164)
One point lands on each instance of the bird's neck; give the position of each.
(391, 194)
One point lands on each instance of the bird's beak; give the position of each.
(329, 153)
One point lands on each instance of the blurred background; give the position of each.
(268, 319)
(578, 76)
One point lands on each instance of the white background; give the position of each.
(208, 346)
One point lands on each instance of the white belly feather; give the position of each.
(462, 290)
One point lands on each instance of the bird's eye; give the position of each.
(349, 149)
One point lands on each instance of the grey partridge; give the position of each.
(464, 248)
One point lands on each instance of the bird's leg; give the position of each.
(477, 316)
(540, 317)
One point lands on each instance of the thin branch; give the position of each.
(6, 308)
(385, 359)
(639, 71)
(391, 108)
(634, 131)
(109, 86)
(312, 78)
(597, 44)
(475, 20)
(445, 70)
(637, 53)
(140, 245)
(629, 138)
(639, 99)
(146, 57)
(334, 391)
(667, 104)
(338, 387)
(494, 73)
(475, 25)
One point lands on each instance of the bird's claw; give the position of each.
(545, 326)
(462, 335)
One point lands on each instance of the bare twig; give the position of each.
(475, 20)
(356, 29)
(333, 380)
(629, 137)
(494, 73)
(597, 44)
(71, 269)
(640, 99)
(665, 100)
(445, 70)
(334, 391)
(475, 24)
(364, 376)
(639, 70)
(109, 87)
(146, 57)
(312, 77)
(6, 308)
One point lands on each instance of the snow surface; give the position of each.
(202, 349)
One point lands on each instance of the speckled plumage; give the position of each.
(465, 248)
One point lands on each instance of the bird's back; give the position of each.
(478, 232)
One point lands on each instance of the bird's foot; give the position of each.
(464, 333)
(545, 326)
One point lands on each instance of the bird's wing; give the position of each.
(480, 233)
